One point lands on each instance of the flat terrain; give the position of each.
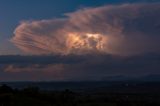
(104, 94)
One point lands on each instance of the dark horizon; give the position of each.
(80, 53)
(16, 65)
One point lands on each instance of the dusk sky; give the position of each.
(78, 39)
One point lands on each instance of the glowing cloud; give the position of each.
(85, 43)
(127, 29)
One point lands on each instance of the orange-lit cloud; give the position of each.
(38, 71)
(126, 29)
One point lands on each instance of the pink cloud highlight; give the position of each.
(127, 29)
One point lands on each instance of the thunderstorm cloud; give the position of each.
(126, 29)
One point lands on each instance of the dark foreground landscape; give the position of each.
(80, 93)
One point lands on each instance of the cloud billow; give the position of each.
(126, 29)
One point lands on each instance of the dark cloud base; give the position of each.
(75, 67)
(88, 44)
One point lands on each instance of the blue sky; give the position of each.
(123, 39)
(14, 11)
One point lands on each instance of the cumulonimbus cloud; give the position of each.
(125, 29)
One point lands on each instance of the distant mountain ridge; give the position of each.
(151, 77)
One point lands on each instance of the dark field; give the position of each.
(80, 93)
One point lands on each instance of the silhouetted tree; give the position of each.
(5, 89)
